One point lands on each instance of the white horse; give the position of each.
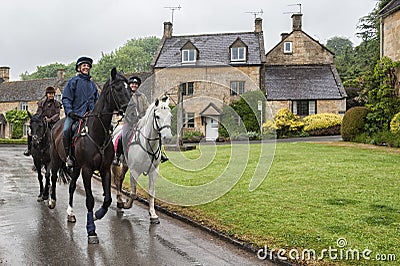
(142, 152)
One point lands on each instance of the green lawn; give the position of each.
(313, 195)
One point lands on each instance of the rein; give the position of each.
(108, 133)
(42, 137)
(155, 154)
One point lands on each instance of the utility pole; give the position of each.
(179, 117)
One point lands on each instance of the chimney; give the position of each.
(258, 25)
(297, 21)
(167, 29)
(284, 35)
(61, 74)
(4, 73)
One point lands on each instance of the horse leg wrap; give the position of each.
(90, 227)
(101, 212)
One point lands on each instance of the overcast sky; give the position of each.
(40, 32)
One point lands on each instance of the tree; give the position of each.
(382, 97)
(17, 118)
(135, 56)
(50, 71)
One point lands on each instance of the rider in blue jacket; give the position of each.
(79, 97)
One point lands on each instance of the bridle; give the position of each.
(39, 139)
(147, 147)
(120, 108)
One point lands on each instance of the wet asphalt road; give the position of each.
(32, 234)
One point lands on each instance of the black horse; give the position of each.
(40, 132)
(93, 149)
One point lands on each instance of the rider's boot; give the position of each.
(116, 160)
(27, 152)
(164, 157)
(70, 162)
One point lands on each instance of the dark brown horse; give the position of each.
(40, 132)
(93, 149)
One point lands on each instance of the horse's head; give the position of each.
(38, 129)
(118, 90)
(162, 117)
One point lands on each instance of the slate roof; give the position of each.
(391, 7)
(27, 90)
(303, 82)
(212, 48)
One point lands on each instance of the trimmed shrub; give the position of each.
(322, 124)
(395, 124)
(353, 122)
(285, 124)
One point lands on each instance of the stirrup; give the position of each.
(27, 152)
(70, 162)
(116, 161)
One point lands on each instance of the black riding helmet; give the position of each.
(83, 60)
(135, 79)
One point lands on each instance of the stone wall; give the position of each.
(211, 85)
(390, 44)
(305, 51)
(323, 106)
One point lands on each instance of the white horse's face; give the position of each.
(163, 117)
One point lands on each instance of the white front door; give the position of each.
(211, 128)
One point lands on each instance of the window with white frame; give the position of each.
(190, 120)
(304, 108)
(25, 130)
(23, 106)
(238, 54)
(189, 56)
(287, 47)
(237, 87)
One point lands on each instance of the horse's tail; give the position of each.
(64, 175)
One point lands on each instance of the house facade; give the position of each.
(208, 70)
(390, 30)
(23, 95)
(301, 75)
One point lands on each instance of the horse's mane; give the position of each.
(36, 118)
(142, 121)
(149, 110)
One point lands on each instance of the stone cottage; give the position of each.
(300, 75)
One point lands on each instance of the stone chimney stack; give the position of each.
(61, 74)
(297, 21)
(258, 25)
(167, 29)
(4, 73)
(284, 35)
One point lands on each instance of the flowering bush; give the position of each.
(285, 123)
(395, 124)
(322, 124)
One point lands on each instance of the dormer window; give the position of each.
(287, 48)
(238, 51)
(238, 54)
(189, 56)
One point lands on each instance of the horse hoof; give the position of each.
(120, 205)
(51, 204)
(45, 197)
(154, 221)
(39, 199)
(71, 219)
(93, 240)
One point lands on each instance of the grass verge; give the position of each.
(313, 195)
